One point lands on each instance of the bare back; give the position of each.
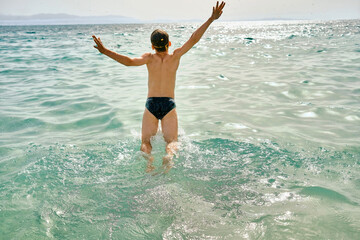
(162, 74)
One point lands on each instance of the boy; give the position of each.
(160, 104)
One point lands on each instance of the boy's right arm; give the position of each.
(196, 36)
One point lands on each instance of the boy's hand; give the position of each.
(217, 11)
(99, 46)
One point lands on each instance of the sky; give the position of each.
(189, 9)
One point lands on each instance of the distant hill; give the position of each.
(62, 18)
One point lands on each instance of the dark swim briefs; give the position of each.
(160, 106)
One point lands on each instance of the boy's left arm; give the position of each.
(125, 60)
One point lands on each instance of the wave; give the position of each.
(214, 183)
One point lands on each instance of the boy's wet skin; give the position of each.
(160, 104)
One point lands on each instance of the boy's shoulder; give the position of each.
(148, 54)
(153, 55)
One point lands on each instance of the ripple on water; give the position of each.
(108, 120)
(288, 94)
(324, 193)
(235, 126)
(275, 84)
(352, 118)
(13, 124)
(308, 115)
(194, 87)
(222, 77)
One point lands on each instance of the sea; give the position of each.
(269, 133)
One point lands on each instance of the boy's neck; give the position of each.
(161, 53)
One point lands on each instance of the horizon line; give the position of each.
(69, 19)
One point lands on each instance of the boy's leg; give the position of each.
(169, 125)
(149, 129)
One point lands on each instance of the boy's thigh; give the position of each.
(149, 126)
(169, 125)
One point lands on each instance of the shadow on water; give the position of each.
(218, 188)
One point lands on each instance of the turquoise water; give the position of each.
(269, 116)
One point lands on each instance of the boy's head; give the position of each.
(160, 40)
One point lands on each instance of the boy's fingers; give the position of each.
(222, 5)
(217, 4)
(97, 41)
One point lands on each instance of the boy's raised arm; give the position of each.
(121, 58)
(196, 36)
